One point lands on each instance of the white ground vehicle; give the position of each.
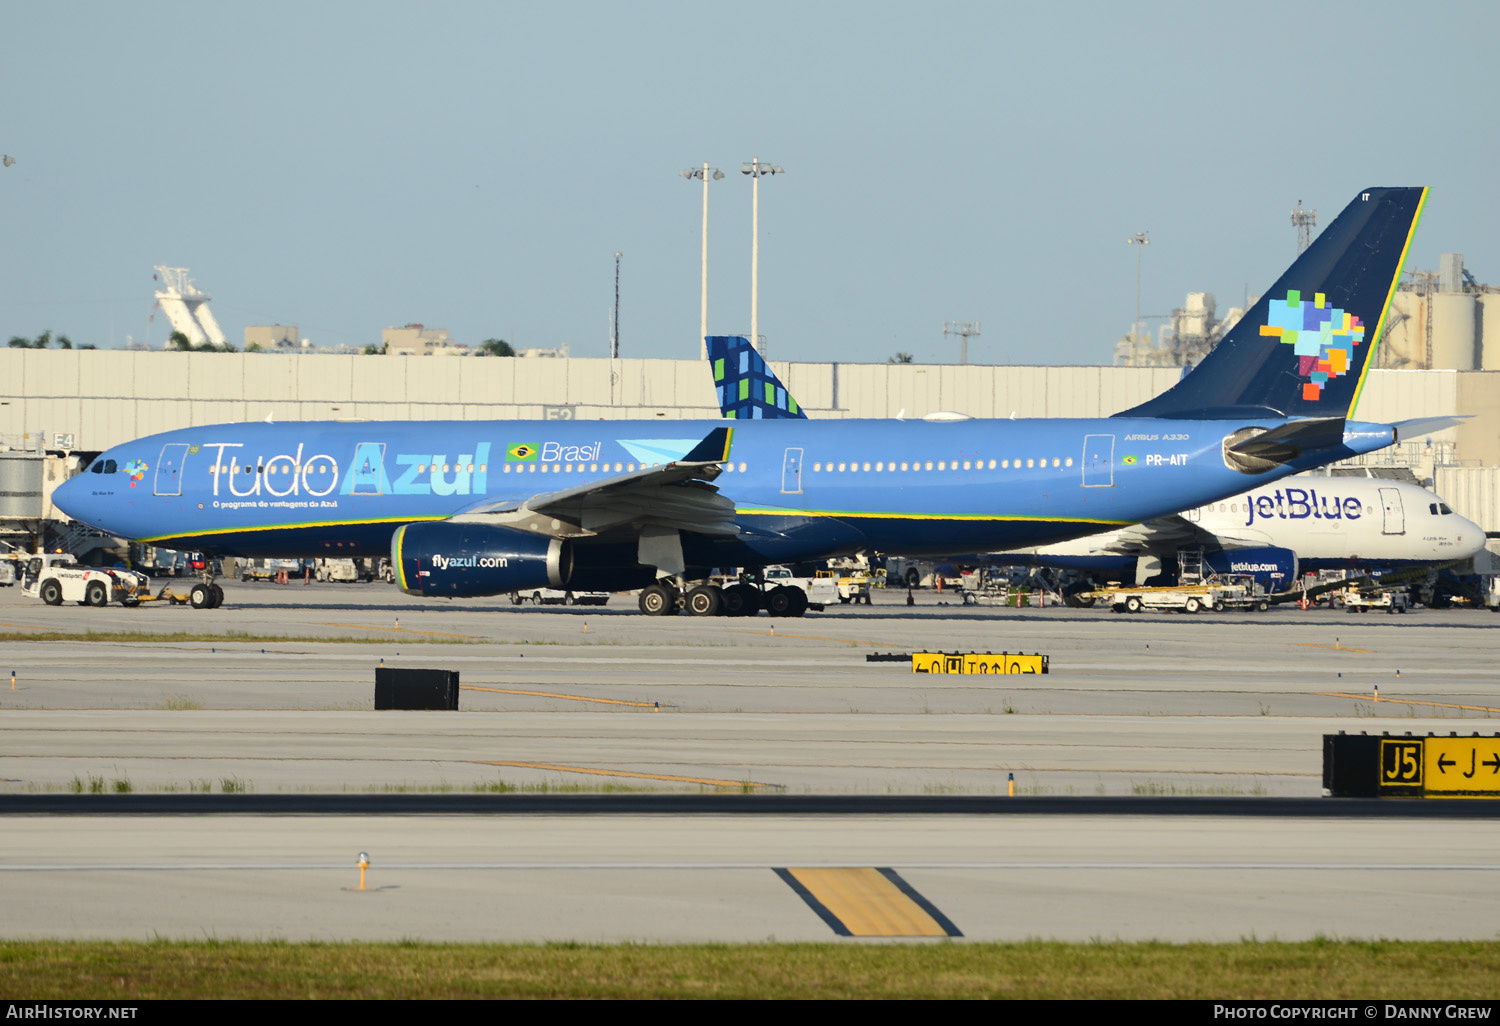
(1392, 600)
(336, 570)
(1189, 598)
(57, 578)
(554, 597)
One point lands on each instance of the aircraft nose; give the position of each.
(68, 496)
(1469, 536)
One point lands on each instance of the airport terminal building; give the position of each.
(59, 405)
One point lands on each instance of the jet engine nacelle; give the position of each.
(458, 560)
(1275, 569)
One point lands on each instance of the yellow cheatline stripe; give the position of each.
(1390, 293)
(396, 554)
(728, 444)
(291, 527)
(962, 517)
(396, 630)
(867, 903)
(624, 773)
(1334, 648)
(551, 694)
(1408, 701)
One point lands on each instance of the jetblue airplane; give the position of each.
(1274, 532)
(470, 508)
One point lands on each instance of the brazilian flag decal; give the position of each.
(521, 452)
(1129, 461)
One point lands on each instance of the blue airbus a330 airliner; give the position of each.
(469, 508)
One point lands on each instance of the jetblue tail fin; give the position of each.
(748, 390)
(1304, 348)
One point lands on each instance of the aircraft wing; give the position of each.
(1165, 535)
(676, 496)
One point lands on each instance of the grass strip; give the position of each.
(1316, 969)
(233, 637)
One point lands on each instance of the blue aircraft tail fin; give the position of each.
(748, 389)
(1304, 348)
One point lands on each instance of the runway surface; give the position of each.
(1229, 706)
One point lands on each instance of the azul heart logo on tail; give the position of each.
(1323, 337)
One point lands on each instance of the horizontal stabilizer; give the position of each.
(1407, 429)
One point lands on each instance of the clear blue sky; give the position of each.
(475, 165)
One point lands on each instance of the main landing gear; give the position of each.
(665, 598)
(206, 594)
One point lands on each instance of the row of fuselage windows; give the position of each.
(880, 467)
(447, 468)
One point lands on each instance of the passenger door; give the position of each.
(1395, 515)
(1098, 461)
(169, 469)
(791, 473)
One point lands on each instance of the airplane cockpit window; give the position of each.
(1443, 508)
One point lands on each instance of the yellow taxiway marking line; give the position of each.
(626, 773)
(805, 637)
(27, 627)
(397, 630)
(1334, 648)
(551, 694)
(867, 902)
(1408, 701)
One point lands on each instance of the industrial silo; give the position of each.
(1489, 331)
(1454, 317)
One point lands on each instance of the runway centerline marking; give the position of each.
(1408, 701)
(552, 694)
(625, 773)
(398, 630)
(867, 902)
(1334, 648)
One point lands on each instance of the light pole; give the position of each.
(1139, 240)
(614, 342)
(755, 169)
(705, 173)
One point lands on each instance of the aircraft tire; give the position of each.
(705, 600)
(799, 602)
(218, 595)
(741, 600)
(51, 593)
(97, 594)
(1132, 605)
(200, 597)
(779, 601)
(657, 601)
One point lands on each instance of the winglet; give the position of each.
(748, 389)
(713, 449)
